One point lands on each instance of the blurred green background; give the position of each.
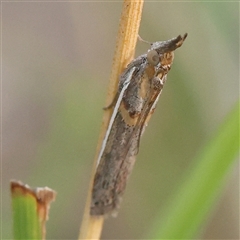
(56, 60)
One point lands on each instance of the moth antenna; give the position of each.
(142, 40)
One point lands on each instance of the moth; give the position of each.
(140, 86)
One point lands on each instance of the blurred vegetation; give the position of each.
(56, 64)
(197, 197)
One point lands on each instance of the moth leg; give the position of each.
(112, 104)
(156, 88)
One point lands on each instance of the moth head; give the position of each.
(154, 58)
(163, 52)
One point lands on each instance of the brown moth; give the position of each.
(140, 86)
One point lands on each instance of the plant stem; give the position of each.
(91, 227)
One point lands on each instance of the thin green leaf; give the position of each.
(194, 201)
(30, 210)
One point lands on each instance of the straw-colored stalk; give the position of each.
(91, 227)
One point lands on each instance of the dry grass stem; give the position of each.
(91, 227)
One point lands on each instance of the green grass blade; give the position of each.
(30, 210)
(194, 201)
(25, 219)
